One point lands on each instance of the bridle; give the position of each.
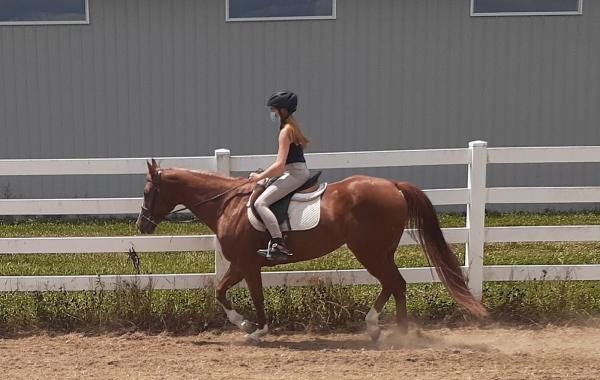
(147, 212)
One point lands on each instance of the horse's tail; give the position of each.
(423, 218)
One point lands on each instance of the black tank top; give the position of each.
(295, 153)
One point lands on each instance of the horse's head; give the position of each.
(157, 203)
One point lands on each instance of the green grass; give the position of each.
(292, 308)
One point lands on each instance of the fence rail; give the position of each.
(475, 196)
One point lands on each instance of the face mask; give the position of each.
(274, 117)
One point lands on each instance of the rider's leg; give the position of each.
(291, 179)
(271, 195)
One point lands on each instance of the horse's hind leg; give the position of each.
(372, 318)
(391, 283)
(400, 297)
(382, 267)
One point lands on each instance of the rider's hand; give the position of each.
(254, 177)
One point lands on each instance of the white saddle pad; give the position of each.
(304, 214)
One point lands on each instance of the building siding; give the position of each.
(172, 78)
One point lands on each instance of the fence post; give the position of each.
(222, 159)
(476, 216)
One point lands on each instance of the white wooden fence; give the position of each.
(476, 195)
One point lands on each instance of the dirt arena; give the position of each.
(433, 353)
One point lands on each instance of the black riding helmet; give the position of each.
(283, 99)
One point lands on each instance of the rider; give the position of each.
(290, 165)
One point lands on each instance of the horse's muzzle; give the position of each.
(145, 224)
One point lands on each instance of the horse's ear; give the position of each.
(154, 164)
(151, 168)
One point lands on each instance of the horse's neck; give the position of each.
(200, 188)
(207, 183)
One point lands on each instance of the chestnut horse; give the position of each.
(367, 214)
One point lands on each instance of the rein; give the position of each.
(209, 199)
(156, 190)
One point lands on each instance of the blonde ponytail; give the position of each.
(296, 134)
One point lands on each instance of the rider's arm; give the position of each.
(276, 168)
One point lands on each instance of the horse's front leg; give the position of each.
(231, 277)
(254, 281)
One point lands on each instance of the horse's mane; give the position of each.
(208, 173)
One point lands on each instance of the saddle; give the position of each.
(280, 209)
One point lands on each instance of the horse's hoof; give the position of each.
(374, 333)
(252, 339)
(247, 326)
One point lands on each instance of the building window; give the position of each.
(266, 10)
(525, 7)
(44, 12)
